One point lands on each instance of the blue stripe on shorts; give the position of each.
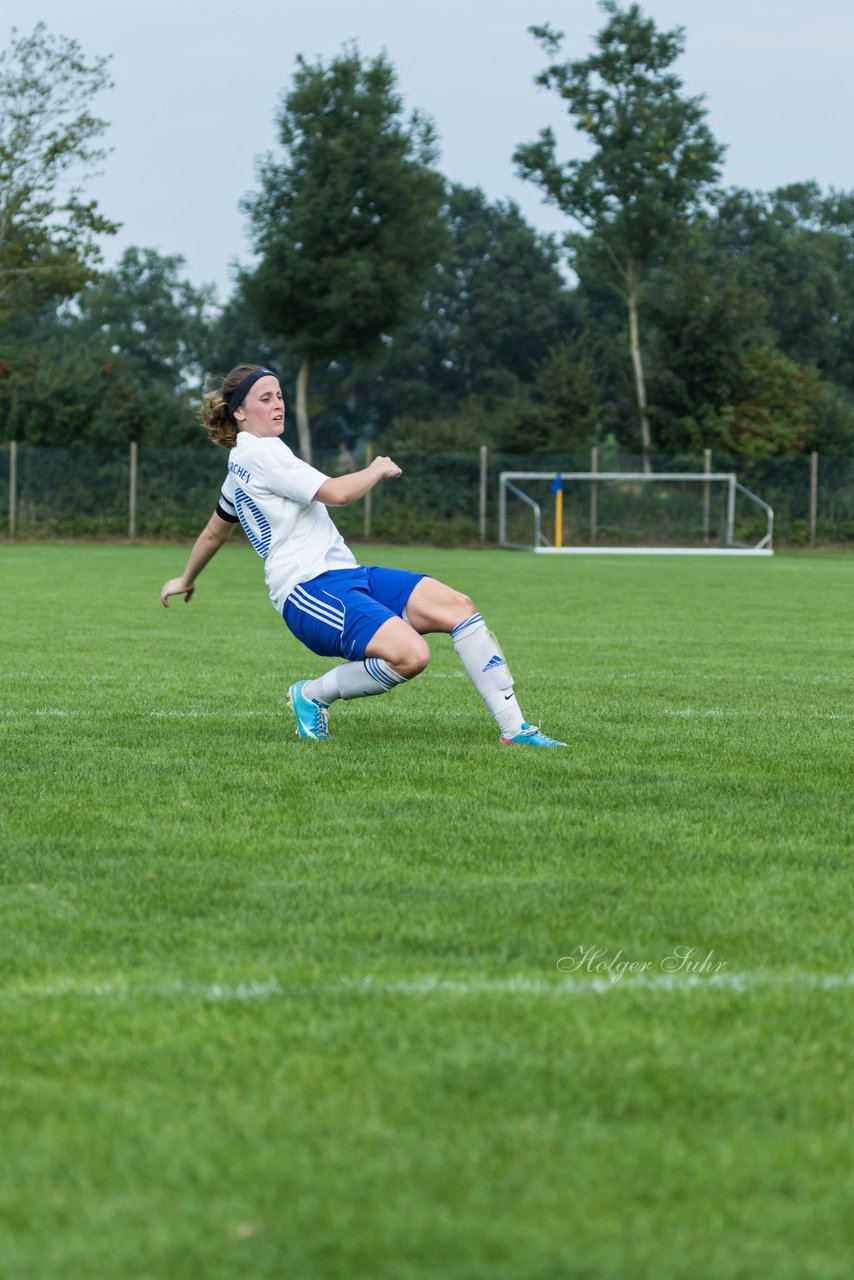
(338, 613)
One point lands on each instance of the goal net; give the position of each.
(687, 513)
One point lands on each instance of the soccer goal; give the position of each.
(632, 513)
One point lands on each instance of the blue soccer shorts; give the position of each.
(338, 613)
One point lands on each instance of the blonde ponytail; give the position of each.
(213, 415)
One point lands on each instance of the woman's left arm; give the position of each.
(338, 491)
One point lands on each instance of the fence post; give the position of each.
(707, 496)
(813, 497)
(594, 495)
(483, 455)
(369, 457)
(134, 451)
(730, 510)
(13, 487)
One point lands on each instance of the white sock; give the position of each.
(483, 660)
(353, 680)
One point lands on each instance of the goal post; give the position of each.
(632, 513)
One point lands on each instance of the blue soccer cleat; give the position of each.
(312, 717)
(530, 736)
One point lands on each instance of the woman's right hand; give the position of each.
(176, 587)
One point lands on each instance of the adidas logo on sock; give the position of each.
(495, 661)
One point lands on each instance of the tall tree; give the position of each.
(49, 145)
(347, 224)
(651, 161)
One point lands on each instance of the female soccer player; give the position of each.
(373, 618)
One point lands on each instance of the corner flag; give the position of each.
(557, 490)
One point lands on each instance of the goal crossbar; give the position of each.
(540, 543)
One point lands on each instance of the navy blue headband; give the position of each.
(241, 391)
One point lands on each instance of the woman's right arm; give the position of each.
(214, 535)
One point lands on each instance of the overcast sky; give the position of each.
(197, 82)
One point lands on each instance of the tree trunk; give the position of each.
(637, 363)
(303, 425)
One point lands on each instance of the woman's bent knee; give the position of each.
(411, 660)
(434, 606)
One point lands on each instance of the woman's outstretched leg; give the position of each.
(434, 607)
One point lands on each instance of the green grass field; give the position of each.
(274, 1008)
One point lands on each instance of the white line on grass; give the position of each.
(224, 712)
(429, 985)
(582, 679)
(37, 711)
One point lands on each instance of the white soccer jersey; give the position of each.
(270, 491)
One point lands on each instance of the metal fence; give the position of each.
(448, 499)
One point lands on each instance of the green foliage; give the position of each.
(834, 416)
(234, 336)
(475, 422)
(700, 320)
(497, 302)
(347, 223)
(493, 308)
(569, 386)
(157, 322)
(559, 411)
(62, 392)
(124, 364)
(775, 406)
(794, 246)
(756, 281)
(48, 147)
